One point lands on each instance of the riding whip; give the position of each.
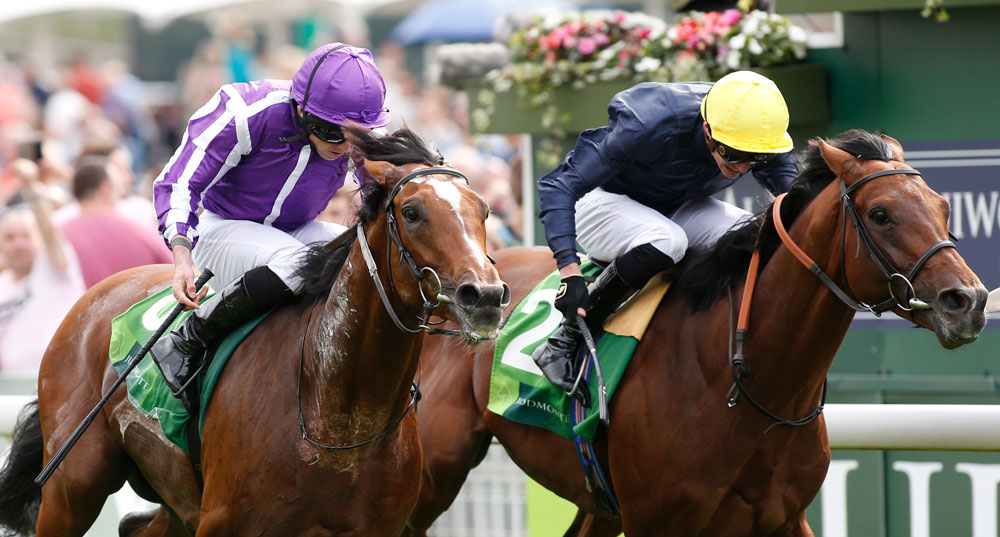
(602, 389)
(64, 450)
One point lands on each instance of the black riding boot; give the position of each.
(179, 354)
(557, 357)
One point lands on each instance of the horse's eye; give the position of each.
(879, 216)
(410, 214)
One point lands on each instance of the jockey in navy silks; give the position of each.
(263, 159)
(637, 193)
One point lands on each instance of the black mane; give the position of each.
(704, 276)
(320, 268)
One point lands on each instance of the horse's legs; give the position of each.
(156, 523)
(590, 525)
(452, 433)
(74, 495)
(795, 527)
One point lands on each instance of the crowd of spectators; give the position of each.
(81, 145)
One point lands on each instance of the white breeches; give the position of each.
(608, 225)
(231, 247)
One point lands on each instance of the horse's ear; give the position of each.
(837, 159)
(383, 171)
(894, 146)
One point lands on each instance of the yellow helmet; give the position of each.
(745, 111)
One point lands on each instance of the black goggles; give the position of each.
(735, 156)
(325, 131)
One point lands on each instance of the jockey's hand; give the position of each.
(184, 289)
(573, 298)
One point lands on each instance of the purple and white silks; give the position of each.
(232, 161)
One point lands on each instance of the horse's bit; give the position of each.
(737, 362)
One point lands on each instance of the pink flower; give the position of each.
(601, 39)
(619, 16)
(587, 46)
(730, 17)
(569, 42)
(643, 33)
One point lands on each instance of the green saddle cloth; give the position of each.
(519, 391)
(146, 389)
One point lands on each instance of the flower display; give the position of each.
(577, 49)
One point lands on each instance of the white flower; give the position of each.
(648, 64)
(796, 34)
(738, 41)
(754, 47)
(733, 59)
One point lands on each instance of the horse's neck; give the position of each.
(359, 364)
(796, 323)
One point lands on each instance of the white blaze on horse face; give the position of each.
(448, 190)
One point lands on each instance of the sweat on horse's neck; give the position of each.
(358, 364)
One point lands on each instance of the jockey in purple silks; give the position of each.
(262, 159)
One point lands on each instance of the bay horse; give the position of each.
(309, 430)
(681, 460)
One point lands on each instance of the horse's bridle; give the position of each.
(883, 263)
(419, 273)
(737, 362)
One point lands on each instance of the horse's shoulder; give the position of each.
(523, 267)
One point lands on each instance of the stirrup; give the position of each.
(190, 381)
(581, 390)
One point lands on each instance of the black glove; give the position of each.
(572, 294)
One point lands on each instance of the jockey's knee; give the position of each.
(641, 263)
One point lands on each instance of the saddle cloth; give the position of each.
(146, 390)
(519, 391)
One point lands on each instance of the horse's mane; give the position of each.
(320, 268)
(704, 276)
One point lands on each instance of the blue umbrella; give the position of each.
(461, 20)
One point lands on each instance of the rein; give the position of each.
(417, 272)
(738, 364)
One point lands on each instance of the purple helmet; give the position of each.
(340, 83)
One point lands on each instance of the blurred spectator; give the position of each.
(106, 242)
(342, 207)
(85, 78)
(41, 281)
(134, 207)
(489, 176)
(65, 117)
(124, 104)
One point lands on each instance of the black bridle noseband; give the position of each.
(737, 362)
(909, 301)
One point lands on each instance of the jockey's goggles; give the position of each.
(735, 156)
(330, 133)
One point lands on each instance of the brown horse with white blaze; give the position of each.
(309, 430)
(682, 461)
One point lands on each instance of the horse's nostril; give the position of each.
(505, 296)
(467, 295)
(959, 300)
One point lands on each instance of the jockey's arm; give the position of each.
(776, 176)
